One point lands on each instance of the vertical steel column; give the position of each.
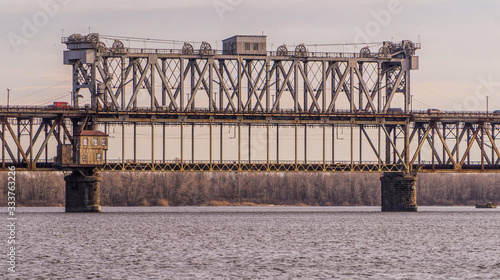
(249, 143)
(164, 143)
(134, 81)
(352, 137)
(135, 142)
(444, 138)
(457, 129)
(3, 144)
(305, 108)
(323, 94)
(268, 92)
(295, 85)
(123, 82)
(333, 143)
(46, 134)
(153, 143)
(351, 83)
(407, 145)
(388, 145)
(468, 141)
(221, 89)
(295, 141)
(107, 133)
(19, 138)
(239, 142)
(407, 86)
(210, 144)
(305, 143)
(240, 94)
(31, 165)
(58, 131)
(192, 142)
(395, 135)
(333, 85)
(493, 146)
(163, 86)
(482, 146)
(94, 100)
(193, 82)
(420, 139)
(278, 81)
(123, 142)
(360, 144)
(249, 84)
(277, 143)
(433, 145)
(211, 103)
(267, 142)
(182, 143)
(104, 82)
(324, 142)
(379, 87)
(360, 87)
(74, 93)
(181, 83)
(221, 142)
(379, 145)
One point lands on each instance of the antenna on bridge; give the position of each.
(8, 97)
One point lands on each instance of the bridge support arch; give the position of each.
(399, 192)
(83, 191)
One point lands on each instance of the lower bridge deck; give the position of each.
(259, 167)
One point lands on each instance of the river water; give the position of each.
(256, 243)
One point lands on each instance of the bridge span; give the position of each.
(309, 112)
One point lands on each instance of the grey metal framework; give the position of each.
(300, 91)
(190, 79)
(458, 142)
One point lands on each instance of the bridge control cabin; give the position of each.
(90, 146)
(245, 45)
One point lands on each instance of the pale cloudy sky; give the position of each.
(459, 59)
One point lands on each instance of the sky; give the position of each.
(459, 59)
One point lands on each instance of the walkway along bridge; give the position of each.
(356, 106)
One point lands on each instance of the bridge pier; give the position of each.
(399, 192)
(83, 191)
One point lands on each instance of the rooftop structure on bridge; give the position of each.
(245, 44)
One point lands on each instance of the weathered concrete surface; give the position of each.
(83, 192)
(399, 192)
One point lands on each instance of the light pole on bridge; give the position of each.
(8, 97)
(487, 104)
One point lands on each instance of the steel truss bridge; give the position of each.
(365, 94)
(456, 142)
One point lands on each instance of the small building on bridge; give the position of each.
(245, 45)
(90, 146)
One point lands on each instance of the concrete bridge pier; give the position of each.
(83, 191)
(399, 192)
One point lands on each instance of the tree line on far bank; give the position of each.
(212, 189)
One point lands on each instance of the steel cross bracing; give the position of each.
(355, 105)
(123, 79)
(391, 142)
